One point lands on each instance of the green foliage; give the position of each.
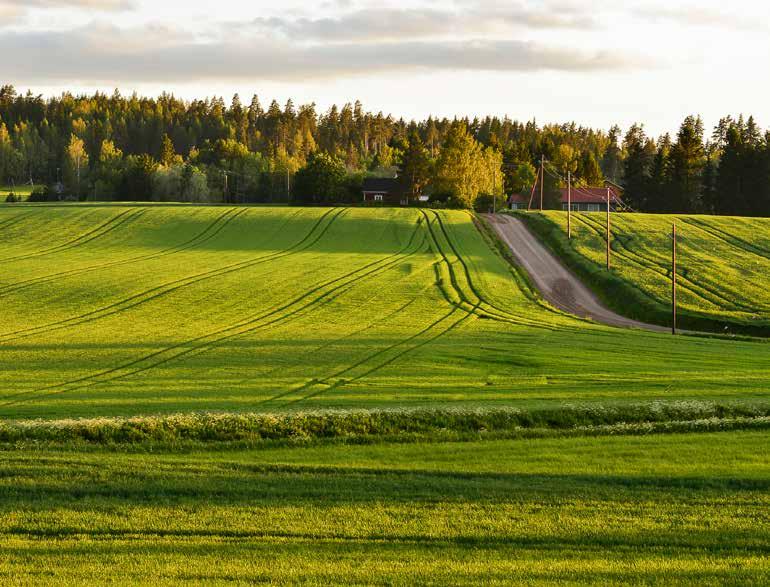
(321, 180)
(519, 177)
(464, 170)
(415, 167)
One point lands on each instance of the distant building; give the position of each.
(386, 190)
(583, 199)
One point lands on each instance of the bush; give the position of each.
(485, 202)
(43, 194)
(11, 198)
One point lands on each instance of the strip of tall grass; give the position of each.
(395, 424)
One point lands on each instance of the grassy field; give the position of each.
(278, 394)
(723, 266)
(126, 310)
(670, 509)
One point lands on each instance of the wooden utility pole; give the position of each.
(542, 179)
(569, 204)
(673, 280)
(609, 249)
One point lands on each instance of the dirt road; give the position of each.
(556, 283)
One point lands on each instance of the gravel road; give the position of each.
(556, 283)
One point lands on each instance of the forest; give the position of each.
(134, 148)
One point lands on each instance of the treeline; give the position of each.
(136, 148)
(726, 173)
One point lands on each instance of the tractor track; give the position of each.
(728, 238)
(168, 288)
(208, 233)
(651, 264)
(207, 340)
(103, 229)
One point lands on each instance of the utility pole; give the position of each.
(569, 205)
(673, 279)
(225, 194)
(494, 191)
(78, 164)
(609, 249)
(542, 179)
(288, 185)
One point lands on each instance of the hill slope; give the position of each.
(723, 266)
(122, 310)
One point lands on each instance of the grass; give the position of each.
(723, 266)
(113, 310)
(233, 395)
(665, 509)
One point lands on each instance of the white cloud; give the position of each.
(99, 53)
(700, 16)
(86, 4)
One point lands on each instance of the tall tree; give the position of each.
(414, 170)
(685, 167)
(637, 167)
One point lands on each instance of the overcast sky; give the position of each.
(597, 62)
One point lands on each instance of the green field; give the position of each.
(122, 310)
(673, 509)
(346, 347)
(723, 266)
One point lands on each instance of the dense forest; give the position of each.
(137, 148)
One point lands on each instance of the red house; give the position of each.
(583, 200)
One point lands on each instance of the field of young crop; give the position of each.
(723, 265)
(670, 509)
(124, 310)
(331, 395)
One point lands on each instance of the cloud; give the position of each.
(105, 5)
(13, 11)
(107, 54)
(699, 16)
(415, 23)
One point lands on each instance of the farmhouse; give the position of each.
(583, 199)
(387, 190)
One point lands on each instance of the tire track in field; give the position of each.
(478, 306)
(651, 264)
(169, 287)
(328, 387)
(736, 243)
(379, 320)
(201, 343)
(732, 240)
(208, 233)
(475, 311)
(14, 219)
(98, 232)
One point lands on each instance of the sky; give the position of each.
(595, 62)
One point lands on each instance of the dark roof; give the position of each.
(579, 196)
(381, 184)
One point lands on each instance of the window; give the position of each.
(378, 197)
